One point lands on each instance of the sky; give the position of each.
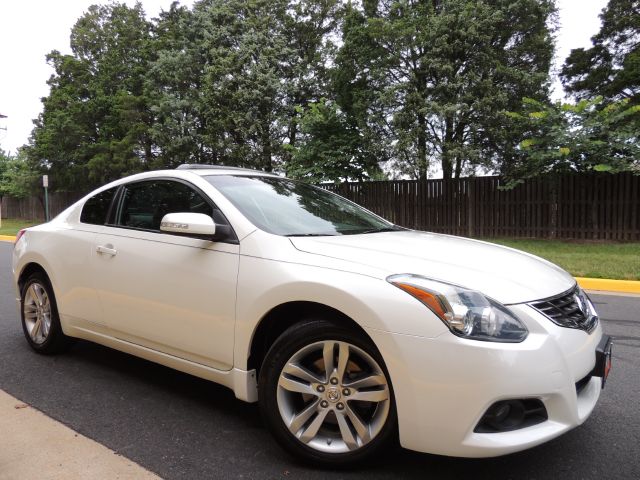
(29, 29)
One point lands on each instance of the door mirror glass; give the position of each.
(188, 223)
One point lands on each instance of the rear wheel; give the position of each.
(39, 312)
(325, 394)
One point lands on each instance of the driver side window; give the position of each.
(144, 204)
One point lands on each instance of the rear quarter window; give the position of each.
(95, 209)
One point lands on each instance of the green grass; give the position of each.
(619, 261)
(10, 226)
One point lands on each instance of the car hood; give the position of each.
(504, 274)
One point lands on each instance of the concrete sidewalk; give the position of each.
(34, 446)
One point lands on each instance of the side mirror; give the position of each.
(186, 223)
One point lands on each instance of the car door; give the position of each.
(166, 292)
(77, 300)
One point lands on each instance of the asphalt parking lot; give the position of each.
(179, 426)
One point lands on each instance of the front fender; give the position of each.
(371, 302)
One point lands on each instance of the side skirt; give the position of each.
(242, 382)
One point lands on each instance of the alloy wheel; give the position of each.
(37, 313)
(333, 396)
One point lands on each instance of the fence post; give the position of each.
(470, 206)
(553, 214)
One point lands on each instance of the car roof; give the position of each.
(205, 170)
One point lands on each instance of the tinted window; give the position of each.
(145, 203)
(95, 209)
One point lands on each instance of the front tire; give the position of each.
(39, 313)
(325, 394)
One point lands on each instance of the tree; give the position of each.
(244, 82)
(309, 27)
(333, 150)
(5, 160)
(174, 87)
(95, 122)
(611, 67)
(17, 178)
(445, 69)
(591, 135)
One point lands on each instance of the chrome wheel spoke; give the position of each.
(298, 371)
(45, 324)
(368, 381)
(371, 395)
(35, 330)
(328, 357)
(38, 293)
(30, 312)
(346, 433)
(294, 385)
(298, 421)
(361, 429)
(343, 359)
(312, 430)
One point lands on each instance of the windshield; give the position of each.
(285, 207)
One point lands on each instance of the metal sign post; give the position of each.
(45, 184)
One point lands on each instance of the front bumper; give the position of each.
(444, 385)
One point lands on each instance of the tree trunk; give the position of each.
(459, 139)
(266, 146)
(447, 165)
(423, 164)
(459, 162)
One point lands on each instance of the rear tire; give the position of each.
(325, 395)
(39, 314)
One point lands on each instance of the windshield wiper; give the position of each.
(310, 235)
(380, 230)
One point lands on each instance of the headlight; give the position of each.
(467, 313)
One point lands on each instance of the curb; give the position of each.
(61, 452)
(601, 284)
(608, 285)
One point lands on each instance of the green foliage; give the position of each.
(94, 127)
(442, 70)
(565, 137)
(330, 90)
(335, 151)
(611, 67)
(17, 179)
(218, 83)
(173, 85)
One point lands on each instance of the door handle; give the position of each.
(107, 249)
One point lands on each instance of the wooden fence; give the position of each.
(585, 206)
(32, 208)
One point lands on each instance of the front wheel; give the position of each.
(326, 395)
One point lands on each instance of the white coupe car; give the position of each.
(349, 331)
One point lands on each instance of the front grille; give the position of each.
(570, 309)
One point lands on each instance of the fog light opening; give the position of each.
(509, 415)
